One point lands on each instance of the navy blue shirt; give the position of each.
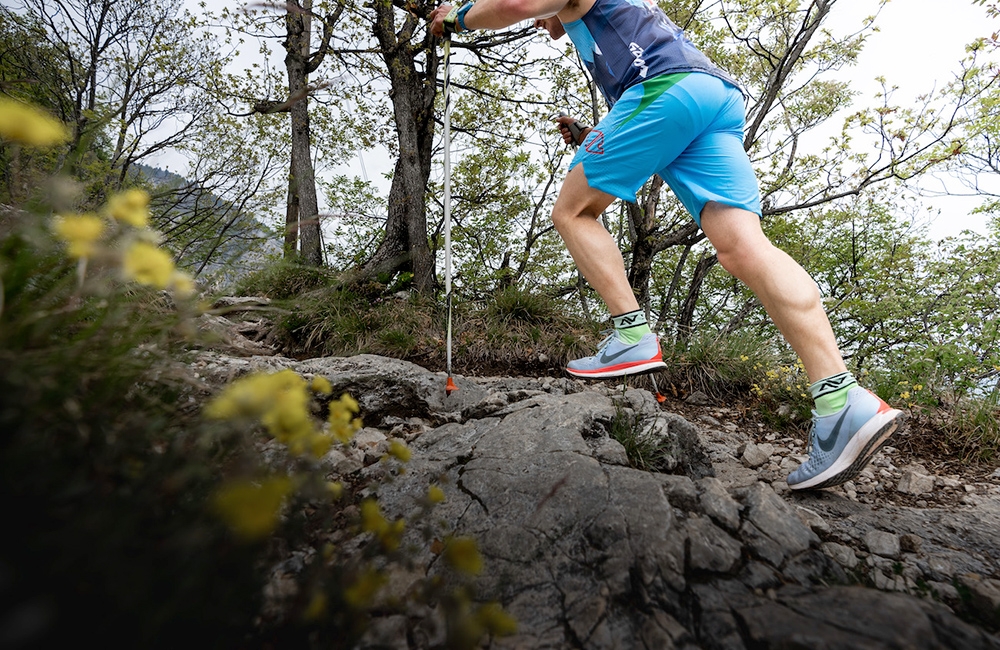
(626, 42)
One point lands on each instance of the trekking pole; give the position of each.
(450, 386)
(660, 397)
(575, 129)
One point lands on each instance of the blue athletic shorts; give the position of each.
(688, 128)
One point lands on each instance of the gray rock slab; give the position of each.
(773, 517)
(710, 548)
(717, 503)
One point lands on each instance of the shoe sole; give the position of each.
(870, 439)
(621, 370)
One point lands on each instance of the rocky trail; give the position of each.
(587, 552)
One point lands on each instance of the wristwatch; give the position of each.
(454, 21)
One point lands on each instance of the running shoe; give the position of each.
(841, 444)
(616, 358)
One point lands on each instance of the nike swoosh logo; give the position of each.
(606, 358)
(831, 442)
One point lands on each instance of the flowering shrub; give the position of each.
(139, 521)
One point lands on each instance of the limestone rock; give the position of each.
(915, 481)
(883, 544)
(754, 455)
(717, 504)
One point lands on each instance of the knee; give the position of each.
(738, 261)
(563, 219)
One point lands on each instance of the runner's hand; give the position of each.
(437, 19)
(572, 131)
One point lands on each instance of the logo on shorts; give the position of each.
(595, 142)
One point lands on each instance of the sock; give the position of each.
(631, 327)
(830, 394)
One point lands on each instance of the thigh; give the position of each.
(714, 166)
(647, 128)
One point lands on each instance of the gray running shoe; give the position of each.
(616, 358)
(841, 444)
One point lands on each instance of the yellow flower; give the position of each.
(335, 488)
(399, 450)
(435, 494)
(496, 621)
(463, 554)
(80, 232)
(182, 284)
(131, 207)
(362, 592)
(148, 264)
(389, 534)
(316, 608)
(28, 125)
(321, 385)
(372, 520)
(251, 510)
(905, 395)
(343, 424)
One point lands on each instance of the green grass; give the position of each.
(644, 449)
(524, 332)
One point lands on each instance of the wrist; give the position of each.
(460, 16)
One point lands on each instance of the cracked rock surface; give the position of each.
(587, 552)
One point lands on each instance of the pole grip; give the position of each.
(575, 129)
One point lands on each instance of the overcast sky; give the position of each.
(918, 48)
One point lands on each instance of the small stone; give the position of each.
(698, 398)
(842, 555)
(708, 419)
(910, 543)
(915, 482)
(951, 482)
(368, 438)
(813, 520)
(755, 455)
(883, 544)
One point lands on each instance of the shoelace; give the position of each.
(609, 336)
(812, 442)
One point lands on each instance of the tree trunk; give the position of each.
(296, 65)
(686, 316)
(405, 246)
(291, 246)
(643, 227)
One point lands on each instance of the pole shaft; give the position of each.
(447, 191)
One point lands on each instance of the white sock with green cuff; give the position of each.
(631, 326)
(830, 394)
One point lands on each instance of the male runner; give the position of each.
(676, 114)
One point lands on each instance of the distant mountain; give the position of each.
(210, 236)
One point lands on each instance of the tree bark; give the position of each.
(686, 316)
(405, 246)
(291, 245)
(303, 175)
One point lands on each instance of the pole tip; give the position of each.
(451, 387)
(661, 398)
